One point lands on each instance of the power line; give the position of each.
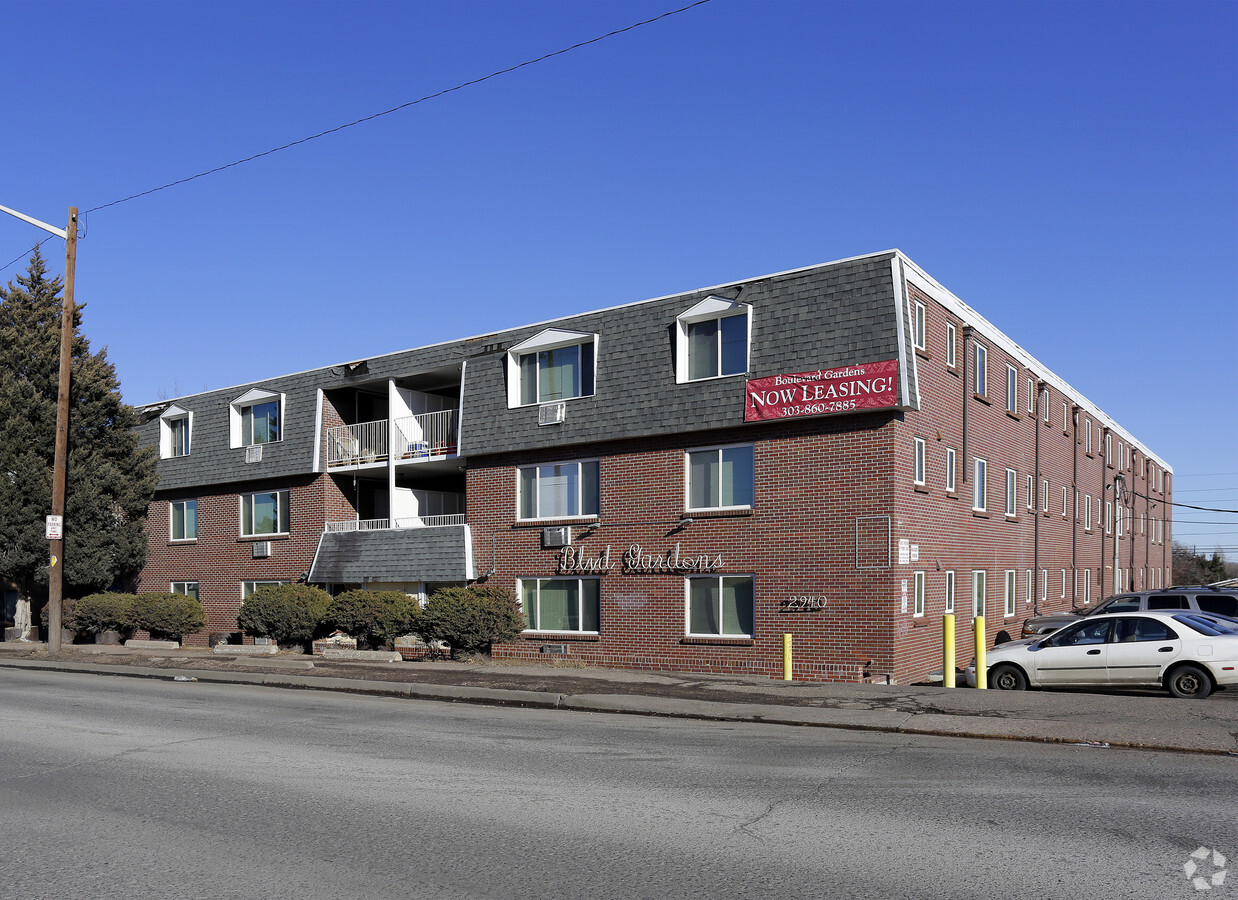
(26, 255)
(387, 112)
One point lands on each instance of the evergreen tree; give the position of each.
(109, 477)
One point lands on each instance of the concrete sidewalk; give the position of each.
(1146, 720)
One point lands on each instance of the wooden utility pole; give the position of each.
(55, 572)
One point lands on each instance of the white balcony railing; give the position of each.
(415, 437)
(388, 524)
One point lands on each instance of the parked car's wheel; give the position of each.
(1007, 678)
(1189, 683)
(1003, 637)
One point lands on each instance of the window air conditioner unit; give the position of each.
(556, 537)
(253, 454)
(552, 413)
(262, 549)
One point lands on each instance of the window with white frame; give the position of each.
(712, 340)
(917, 608)
(1109, 449)
(721, 477)
(1121, 455)
(719, 605)
(978, 577)
(1012, 389)
(1044, 584)
(1008, 608)
(952, 339)
(175, 432)
(1087, 440)
(1028, 598)
(559, 490)
(1087, 587)
(1087, 512)
(980, 377)
(1063, 584)
(980, 488)
(1030, 492)
(256, 417)
(920, 325)
(1044, 405)
(1012, 481)
(1065, 417)
(1108, 517)
(264, 512)
(1031, 396)
(1065, 499)
(1044, 495)
(918, 464)
(560, 604)
(183, 520)
(248, 587)
(1118, 519)
(950, 591)
(555, 364)
(187, 588)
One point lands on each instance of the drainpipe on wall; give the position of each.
(1074, 527)
(967, 333)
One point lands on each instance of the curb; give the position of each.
(882, 721)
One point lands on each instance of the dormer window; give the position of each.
(175, 432)
(257, 417)
(553, 365)
(713, 339)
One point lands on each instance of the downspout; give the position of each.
(1037, 505)
(967, 333)
(1074, 526)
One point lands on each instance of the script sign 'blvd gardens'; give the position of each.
(823, 391)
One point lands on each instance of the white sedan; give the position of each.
(1188, 653)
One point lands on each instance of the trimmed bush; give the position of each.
(372, 617)
(288, 613)
(168, 617)
(96, 613)
(470, 619)
(66, 614)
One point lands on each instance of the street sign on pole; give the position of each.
(55, 528)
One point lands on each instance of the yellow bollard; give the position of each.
(947, 650)
(982, 674)
(786, 657)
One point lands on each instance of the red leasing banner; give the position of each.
(825, 391)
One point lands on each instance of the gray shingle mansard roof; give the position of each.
(825, 316)
(420, 554)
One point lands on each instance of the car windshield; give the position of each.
(1213, 626)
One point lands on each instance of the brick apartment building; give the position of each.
(842, 452)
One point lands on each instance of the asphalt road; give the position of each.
(119, 788)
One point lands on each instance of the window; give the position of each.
(917, 608)
(1011, 586)
(1063, 584)
(256, 417)
(1108, 449)
(1065, 417)
(979, 487)
(1044, 584)
(559, 490)
(175, 428)
(919, 325)
(950, 591)
(1031, 397)
(977, 592)
(1087, 440)
(720, 606)
(1087, 512)
(1012, 389)
(1065, 499)
(560, 604)
(1030, 498)
(1044, 404)
(980, 379)
(1044, 495)
(1108, 517)
(1028, 598)
(183, 518)
(951, 465)
(264, 513)
(1117, 512)
(720, 477)
(188, 588)
(712, 340)
(1012, 481)
(951, 340)
(1087, 587)
(1121, 455)
(554, 364)
(248, 587)
(919, 461)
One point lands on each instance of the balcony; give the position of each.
(388, 524)
(408, 438)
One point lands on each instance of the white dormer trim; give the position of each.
(712, 307)
(250, 398)
(166, 418)
(547, 339)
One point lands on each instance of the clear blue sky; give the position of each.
(1070, 169)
